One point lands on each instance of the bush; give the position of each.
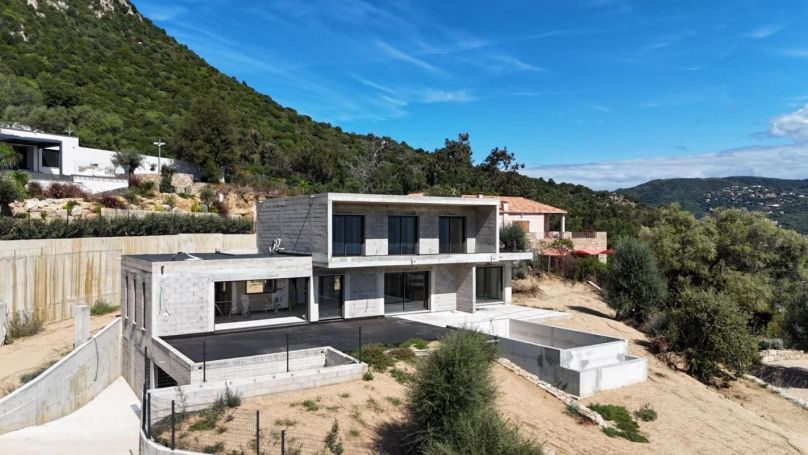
(519, 270)
(65, 190)
(513, 238)
(588, 268)
(228, 399)
(35, 190)
(375, 356)
(403, 354)
(635, 286)
(795, 319)
(10, 191)
(417, 343)
(646, 413)
(168, 224)
(166, 174)
(770, 343)
(626, 426)
(101, 306)
(710, 332)
(451, 402)
(170, 201)
(220, 208)
(206, 195)
(113, 202)
(24, 325)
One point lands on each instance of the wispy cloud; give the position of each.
(794, 52)
(508, 61)
(597, 107)
(677, 99)
(441, 96)
(163, 13)
(408, 58)
(765, 31)
(778, 161)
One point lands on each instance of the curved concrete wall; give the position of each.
(67, 385)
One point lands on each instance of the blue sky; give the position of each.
(607, 93)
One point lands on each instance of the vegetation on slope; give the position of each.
(117, 81)
(785, 201)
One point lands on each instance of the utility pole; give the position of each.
(159, 145)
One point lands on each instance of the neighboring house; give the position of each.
(320, 257)
(544, 224)
(52, 158)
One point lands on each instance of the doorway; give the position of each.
(330, 296)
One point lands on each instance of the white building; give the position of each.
(52, 158)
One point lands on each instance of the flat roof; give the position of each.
(409, 199)
(189, 257)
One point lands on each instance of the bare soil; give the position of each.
(29, 354)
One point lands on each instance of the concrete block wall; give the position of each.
(301, 222)
(67, 385)
(364, 293)
(259, 365)
(466, 300)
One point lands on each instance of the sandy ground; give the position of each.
(28, 354)
(106, 425)
(693, 418)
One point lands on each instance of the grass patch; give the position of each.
(285, 422)
(353, 432)
(375, 356)
(28, 377)
(214, 448)
(101, 306)
(368, 376)
(626, 426)
(357, 416)
(403, 354)
(310, 405)
(417, 343)
(401, 376)
(24, 325)
(374, 405)
(228, 399)
(646, 413)
(208, 418)
(344, 395)
(395, 401)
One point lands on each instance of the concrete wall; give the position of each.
(48, 277)
(179, 296)
(3, 318)
(267, 364)
(301, 222)
(67, 385)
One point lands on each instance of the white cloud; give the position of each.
(765, 31)
(405, 57)
(509, 61)
(442, 96)
(793, 125)
(777, 161)
(597, 107)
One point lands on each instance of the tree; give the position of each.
(10, 191)
(452, 165)
(207, 137)
(635, 286)
(709, 331)
(129, 160)
(513, 238)
(8, 156)
(367, 161)
(795, 320)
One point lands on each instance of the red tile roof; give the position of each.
(518, 204)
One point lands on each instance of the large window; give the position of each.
(330, 296)
(50, 158)
(402, 235)
(406, 291)
(347, 235)
(452, 234)
(489, 284)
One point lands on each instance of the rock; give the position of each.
(76, 211)
(31, 204)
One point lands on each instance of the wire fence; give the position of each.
(223, 427)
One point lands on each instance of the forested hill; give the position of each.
(105, 72)
(785, 201)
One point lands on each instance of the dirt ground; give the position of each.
(693, 418)
(28, 354)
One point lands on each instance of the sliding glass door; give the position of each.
(330, 296)
(488, 286)
(452, 234)
(406, 291)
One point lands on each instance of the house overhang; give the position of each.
(351, 262)
(389, 199)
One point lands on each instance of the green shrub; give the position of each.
(310, 405)
(166, 174)
(588, 268)
(207, 418)
(710, 332)
(214, 448)
(513, 238)
(170, 201)
(626, 426)
(635, 286)
(646, 413)
(375, 356)
(168, 224)
(403, 354)
(101, 306)
(332, 441)
(10, 191)
(367, 376)
(417, 343)
(24, 325)
(451, 404)
(795, 319)
(770, 343)
(401, 376)
(228, 399)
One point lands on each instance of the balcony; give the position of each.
(586, 240)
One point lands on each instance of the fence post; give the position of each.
(283, 442)
(257, 434)
(143, 409)
(173, 426)
(146, 375)
(148, 418)
(204, 362)
(360, 343)
(287, 352)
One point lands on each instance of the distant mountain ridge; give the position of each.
(784, 201)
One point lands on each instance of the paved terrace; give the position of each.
(341, 335)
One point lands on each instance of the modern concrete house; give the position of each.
(52, 158)
(375, 255)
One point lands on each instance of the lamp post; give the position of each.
(159, 145)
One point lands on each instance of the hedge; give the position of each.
(156, 224)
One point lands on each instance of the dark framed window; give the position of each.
(330, 296)
(452, 234)
(488, 284)
(402, 235)
(347, 235)
(406, 291)
(50, 158)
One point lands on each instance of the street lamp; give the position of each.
(159, 145)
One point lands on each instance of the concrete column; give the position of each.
(563, 223)
(3, 318)
(81, 324)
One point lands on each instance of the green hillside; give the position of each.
(102, 70)
(785, 201)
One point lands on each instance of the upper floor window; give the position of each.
(402, 235)
(347, 235)
(452, 234)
